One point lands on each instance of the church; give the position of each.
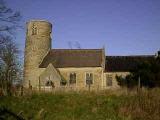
(74, 69)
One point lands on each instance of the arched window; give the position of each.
(89, 78)
(109, 79)
(72, 79)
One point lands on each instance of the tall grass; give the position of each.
(104, 105)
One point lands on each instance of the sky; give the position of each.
(124, 27)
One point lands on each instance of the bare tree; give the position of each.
(70, 44)
(9, 19)
(77, 45)
(74, 44)
(9, 65)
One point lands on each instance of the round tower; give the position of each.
(37, 45)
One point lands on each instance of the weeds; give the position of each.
(105, 105)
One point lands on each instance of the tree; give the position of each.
(147, 72)
(74, 44)
(9, 20)
(77, 45)
(9, 65)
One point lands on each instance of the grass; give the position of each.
(106, 105)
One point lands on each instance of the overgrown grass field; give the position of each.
(106, 105)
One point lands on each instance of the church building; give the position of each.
(74, 69)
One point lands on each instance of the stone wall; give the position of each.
(100, 79)
(81, 77)
(38, 43)
(114, 81)
(50, 74)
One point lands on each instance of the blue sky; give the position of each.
(124, 27)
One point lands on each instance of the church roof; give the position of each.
(61, 58)
(125, 63)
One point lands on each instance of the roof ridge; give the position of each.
(75, 49)
(132, 56)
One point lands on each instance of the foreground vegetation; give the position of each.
(106, 105)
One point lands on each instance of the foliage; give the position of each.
(86, 105)
(147, 72)
(63, 82)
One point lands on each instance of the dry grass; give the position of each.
(104, 105)
(143, 106)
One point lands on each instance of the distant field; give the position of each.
(106, 105)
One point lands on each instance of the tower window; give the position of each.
(89, 78)
(72, 78)
(34, 30)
